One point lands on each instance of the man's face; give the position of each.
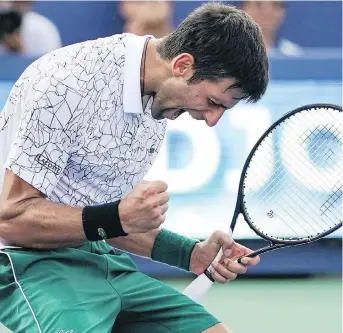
(13, 41)
(267, 14)
(205, 100)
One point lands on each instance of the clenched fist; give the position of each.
(145, 207)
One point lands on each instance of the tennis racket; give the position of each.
(290, 190)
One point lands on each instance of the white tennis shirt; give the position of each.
(74, 126)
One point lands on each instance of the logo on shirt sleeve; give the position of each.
(44, 161)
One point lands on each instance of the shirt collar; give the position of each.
(132, 99)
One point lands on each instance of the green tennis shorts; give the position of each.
(90, 289)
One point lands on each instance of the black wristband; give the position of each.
(102, 221)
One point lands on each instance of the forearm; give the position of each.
(40, 223)
(28, 219)
(160, 245)
(140, 244)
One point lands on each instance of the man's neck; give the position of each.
(155, 69)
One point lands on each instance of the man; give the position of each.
(10, 39)
(138, 18)
(76, 141)
(38, 35)
(269, 15)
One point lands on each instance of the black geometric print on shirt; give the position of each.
(71, 104)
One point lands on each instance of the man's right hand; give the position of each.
(144, 208)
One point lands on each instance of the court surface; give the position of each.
(309, 305)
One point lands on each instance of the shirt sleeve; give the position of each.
(44, 140)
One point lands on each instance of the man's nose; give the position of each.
(212, 117)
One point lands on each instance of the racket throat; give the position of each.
(266, 249)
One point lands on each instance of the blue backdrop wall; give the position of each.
(308, 23)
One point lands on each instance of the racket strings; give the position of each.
(335, 135)
(304, 201)
(289, 205)
(317, 158)
(295, 218)
(280, 167)
(266, 192)
(298, 163)
(292, 201)
(277, 155)
(333, 198)
(286, 212)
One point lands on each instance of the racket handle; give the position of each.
(202, 284)
(199, 287)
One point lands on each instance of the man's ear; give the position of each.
(182, 66)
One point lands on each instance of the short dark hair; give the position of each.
(10, 21)
(225, 42)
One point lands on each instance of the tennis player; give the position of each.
(79, 131)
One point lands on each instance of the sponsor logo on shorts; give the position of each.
(70, 331)
(49, 165)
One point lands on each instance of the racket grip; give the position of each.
(198, 288)
(202, 284)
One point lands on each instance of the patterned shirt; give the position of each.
(74, 126)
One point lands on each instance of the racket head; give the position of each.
(329, 132)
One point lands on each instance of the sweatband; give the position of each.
(173, 249)
(102, 221)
